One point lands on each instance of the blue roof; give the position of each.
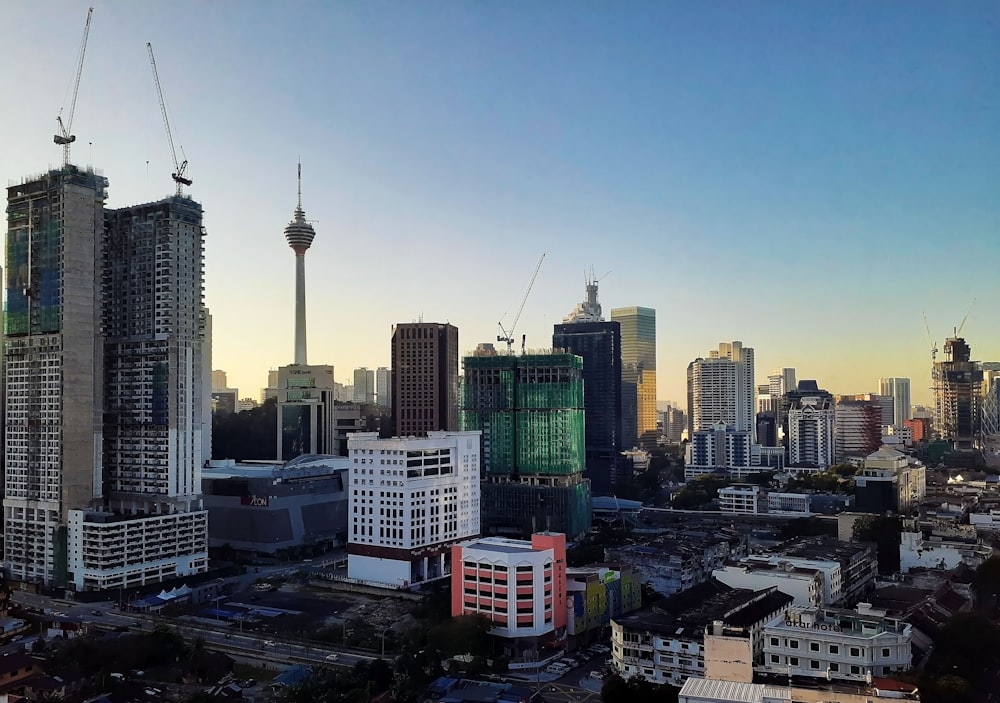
(613, 503)
(292, 676)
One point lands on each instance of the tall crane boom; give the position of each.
(508, 335)
(179, 168)
(65, 136)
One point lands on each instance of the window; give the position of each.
(793, 661)
(834, 649)
(794, 644)
(814, 646)
(834, 666)
(774, 641)
(813, 664)
(855, 652)
(886, 652)
(855, 669)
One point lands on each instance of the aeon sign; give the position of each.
(254, 501)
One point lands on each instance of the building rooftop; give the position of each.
(698, 689)
(688, 613)
(304, 466)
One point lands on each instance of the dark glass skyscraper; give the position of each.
(599, 343)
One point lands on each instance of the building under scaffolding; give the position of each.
(103, 386)
(957, 395)
(530, 411)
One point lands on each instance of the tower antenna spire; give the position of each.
(300, 184)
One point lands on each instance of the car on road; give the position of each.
(602, 648)
(249, 682)
(332, 657)
(557, 668)
(268, 643)
(96, 612)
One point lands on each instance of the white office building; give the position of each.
(411, 498)
(804, 584)
(852, 645)
(811, 432)
(751, 499)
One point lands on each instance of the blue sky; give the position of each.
(808, 178)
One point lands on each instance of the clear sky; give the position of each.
(806, 177)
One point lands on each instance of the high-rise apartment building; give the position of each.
(599, 344)
(781, 381)
(899, 390)
(957, 395)
(364, 385)
(383, 387)
(811, 432)
(530, 411)
(424, 378)
(104, 387)
(721, 389)
(219, 379)
(638, 331)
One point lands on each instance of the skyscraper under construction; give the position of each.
(530, 411)
(957, 395)
(103, 384)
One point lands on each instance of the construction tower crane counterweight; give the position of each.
(508, 335)
(179, 168)
(65, 136)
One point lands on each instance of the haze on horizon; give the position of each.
(806, 178)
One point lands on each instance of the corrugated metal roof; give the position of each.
(697, 689)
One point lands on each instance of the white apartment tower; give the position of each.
(721, 389)
(899, 390)
(811, 440)
(104, 384)
(411, 499)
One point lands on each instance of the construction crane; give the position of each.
(934, 346)
(958, 330)
(508, 335)
(65, 136)
(179, 168)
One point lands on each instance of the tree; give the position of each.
(463, 634)
(986, 587)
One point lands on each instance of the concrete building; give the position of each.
(804, 584)
(857, 428)
(957, 384)
(721, 449)
(529, 408)
(811, 432)
(103, 387)
(721, 389)
(306, 410)
(890, 481)
(829, 643)
(638, 334)
(585, 333)
(780, 382)
(597, 594)
(708, 690)
(411, 499)
(751, 499)
(931, 547)
(424, 378)
(858, 566)
(678, 561)
(219, 379)
(673, 641)
(224, 401)
(899, 390)
(364, 385)
(383, 387)
(520, 585)
(263, 508)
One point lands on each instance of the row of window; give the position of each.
(831, 648)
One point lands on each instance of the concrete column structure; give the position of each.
(299, 234)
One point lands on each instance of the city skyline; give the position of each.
(808, 152)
